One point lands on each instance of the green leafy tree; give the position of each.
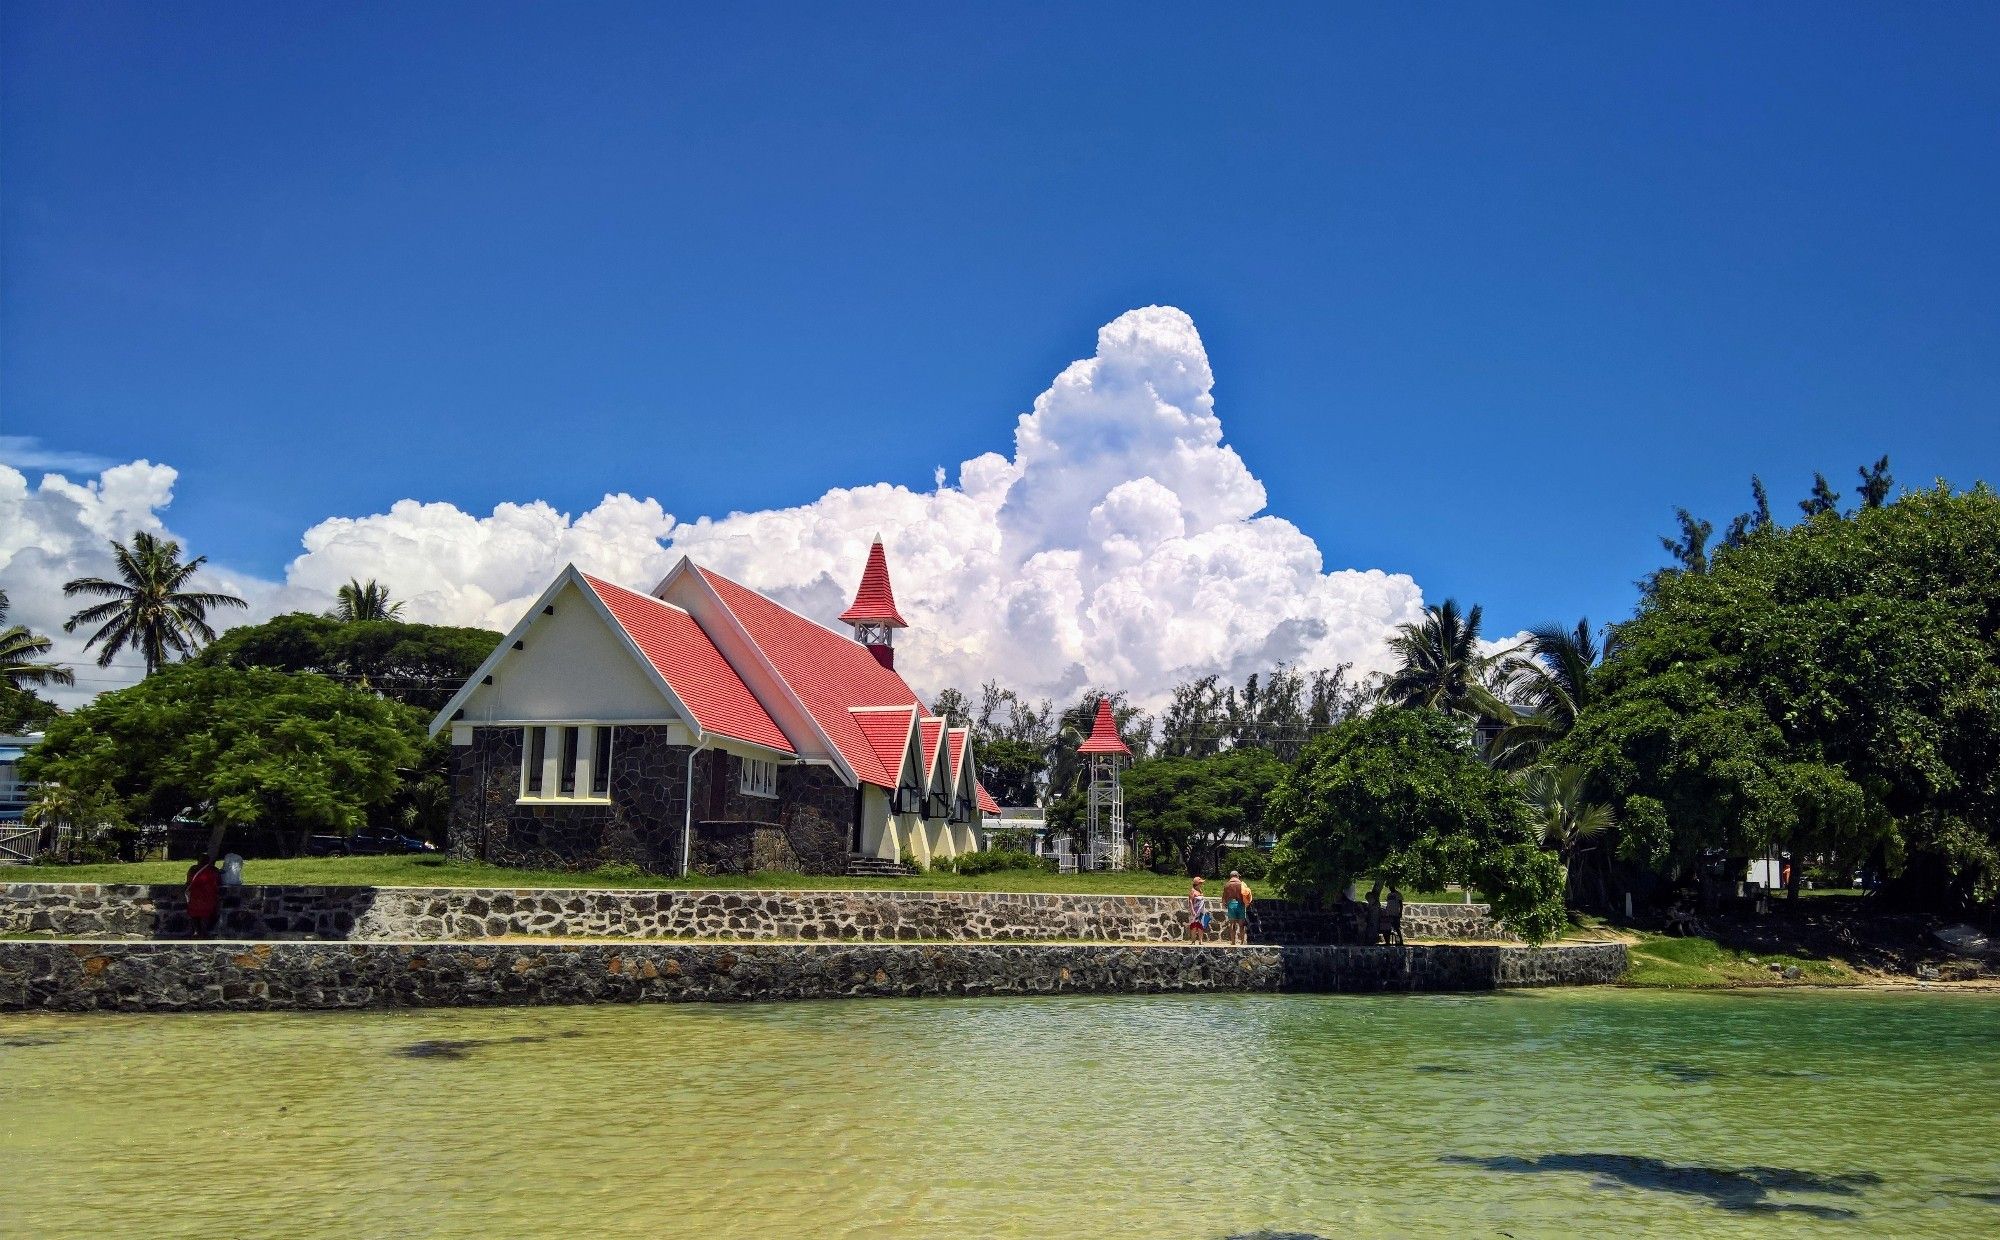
(22, 710)
(952, 706)
(1690, 548)
(1186, 807)
(234, 747)
(1831, 689)
(150, 609)
(1875, 483)
(1402, 795)
(369, 600)
(1823, 498)
(1745, 524)
(1012, 770)
(417, 664)
(1196, 720)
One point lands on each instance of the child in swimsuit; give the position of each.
(1197, 926)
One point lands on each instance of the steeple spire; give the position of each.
(1104, 733)
(873, 614)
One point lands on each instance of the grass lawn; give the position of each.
(431, 871)
(1701, 964)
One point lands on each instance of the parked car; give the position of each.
(367, 842)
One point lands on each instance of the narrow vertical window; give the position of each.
(531, 761)
(600, 768)
(566, 774)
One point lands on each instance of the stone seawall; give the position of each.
(372, 914)
(215, 976)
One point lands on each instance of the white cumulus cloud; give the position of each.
(1122, 544)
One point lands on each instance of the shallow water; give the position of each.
(1525, 1114)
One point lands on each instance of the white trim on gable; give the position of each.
(912, 740)
(939, 777)
(569, 576)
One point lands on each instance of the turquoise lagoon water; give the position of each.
(1556, 1113)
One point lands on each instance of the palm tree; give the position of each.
(149, 610)
(1441, 665)
(1551, 688)
(17, 647)
(368, 600)
(1562, 813)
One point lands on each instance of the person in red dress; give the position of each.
(204, 897)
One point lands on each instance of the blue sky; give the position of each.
(1487, 290)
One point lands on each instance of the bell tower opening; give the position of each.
(873, 614)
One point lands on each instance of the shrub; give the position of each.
(1251, 863)
(618, 871)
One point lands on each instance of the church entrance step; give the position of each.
(876, 867)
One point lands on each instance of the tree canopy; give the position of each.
(234, 747)
(1831, 688)
(1185, 807)
(1403, 795)
(418, 664)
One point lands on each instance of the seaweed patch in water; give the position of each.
(1275, 1235)
(1685, 1074)
(1991, 1199)
(31, 1040)
(461, 1048)
(1444, 1068)
(1727, 1188)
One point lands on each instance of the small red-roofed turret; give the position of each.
(873, 614)
(1104, 733)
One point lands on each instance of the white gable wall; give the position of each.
(573, 665)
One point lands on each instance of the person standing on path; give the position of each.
(1392, 925)
(204, 897)
(1197, 914)
(1236, 898)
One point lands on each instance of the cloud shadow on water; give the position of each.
(1729, 1188)
(462, 1048)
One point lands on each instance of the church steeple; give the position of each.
(874, 615)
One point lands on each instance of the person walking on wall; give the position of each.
(204, 897)
(1392, 923)
(1375, 915)
(1236, 898)
(1197, 912)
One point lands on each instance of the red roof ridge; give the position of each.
(687, 660)
(825, 673)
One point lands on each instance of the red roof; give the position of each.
(1104, 733)
(703, 680)
(887, 733)
(930, 730)
(875, 602)
(827, 672)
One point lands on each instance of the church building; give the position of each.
(704, 728)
